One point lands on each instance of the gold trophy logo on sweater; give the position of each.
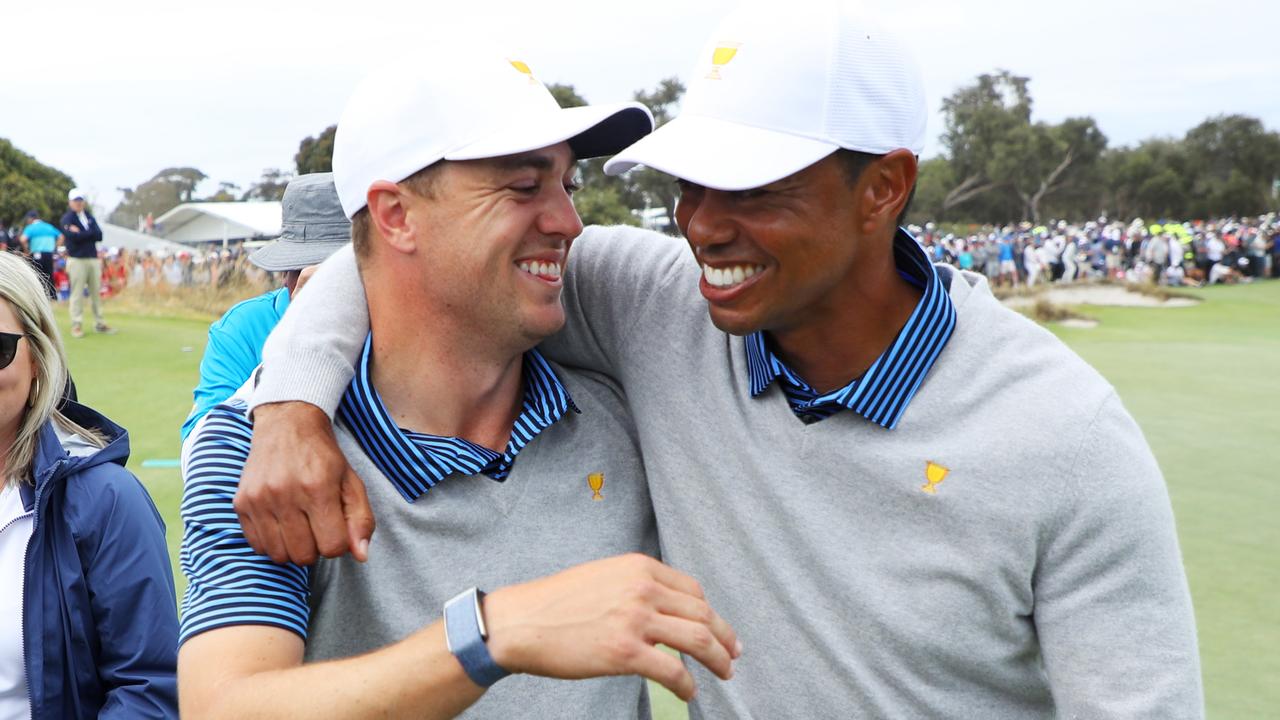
(596, 481)
(721, 57)
(933, 474)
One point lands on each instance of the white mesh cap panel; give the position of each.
(875, 101)
(775, 77)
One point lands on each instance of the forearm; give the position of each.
(311, 354)
(414, 678)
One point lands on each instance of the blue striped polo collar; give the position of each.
(883, 392)
(414, 462)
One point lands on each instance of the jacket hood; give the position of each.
(58, 455)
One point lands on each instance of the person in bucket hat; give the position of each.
(490, 468)
(834, 428)
(313, 227)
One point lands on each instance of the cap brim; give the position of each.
(721, 155)
(284, 256)
(591, 131)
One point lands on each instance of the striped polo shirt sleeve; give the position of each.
(228, 583)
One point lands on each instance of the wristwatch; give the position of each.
(465, 635)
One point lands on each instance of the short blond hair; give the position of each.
(25, 293)
(422, 183)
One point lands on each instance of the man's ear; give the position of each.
(389, 215)
(888, 182)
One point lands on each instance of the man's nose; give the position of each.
(709, 221)
(560, 218)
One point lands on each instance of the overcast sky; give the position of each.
(111, 92)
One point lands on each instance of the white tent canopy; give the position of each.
(201, 222)
(114, 236)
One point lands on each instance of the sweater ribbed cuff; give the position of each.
(319, 380)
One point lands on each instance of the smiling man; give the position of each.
(476, 453)
(835, 431)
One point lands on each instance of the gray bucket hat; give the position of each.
(313, 226)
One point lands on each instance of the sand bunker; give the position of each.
(1097, 295)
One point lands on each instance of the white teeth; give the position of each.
(730, 276)
(540, 269)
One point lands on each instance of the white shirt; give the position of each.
(16, 525)
(1216, 249)
(84, 219)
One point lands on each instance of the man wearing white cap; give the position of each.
(831, 476)
(488, 466)
(82, 233)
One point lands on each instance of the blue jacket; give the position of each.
(82, 241)
(99, 620)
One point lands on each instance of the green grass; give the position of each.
(142, 378)
(1203, 382)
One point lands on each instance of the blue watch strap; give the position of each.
(463, 628)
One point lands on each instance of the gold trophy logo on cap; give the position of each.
(720, 57)
(596, 481)
(522, 67)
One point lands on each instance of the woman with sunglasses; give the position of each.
(88, 622)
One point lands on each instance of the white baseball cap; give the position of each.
(780, 86)
(462, 101)
(75, 194)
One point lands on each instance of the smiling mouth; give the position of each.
(726, 278)
(548, 271)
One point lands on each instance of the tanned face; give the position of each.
(773, 255)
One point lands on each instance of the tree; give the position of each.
(602, 199)
(566, 96)
(26, 184)
(933, 181)
(1041, 160)
(227, 192)
(183, 179)
(315, 154)
(1234, 160)
(1150, 180)
(270, 187)
(978, 119)
(1002, 166)
(650, 188)
(164, 191)
(603, 205)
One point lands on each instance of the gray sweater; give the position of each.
(1040, 577)
(474, 531)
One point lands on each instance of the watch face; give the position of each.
(484, 632)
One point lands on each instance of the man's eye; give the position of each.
(526, 189)
(572, 187)
(749, 194)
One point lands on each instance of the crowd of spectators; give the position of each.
(1226, 250)
(122, 268)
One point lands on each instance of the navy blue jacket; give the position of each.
(84, 243)
(99, 620)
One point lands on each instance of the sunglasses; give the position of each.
(8, 347)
